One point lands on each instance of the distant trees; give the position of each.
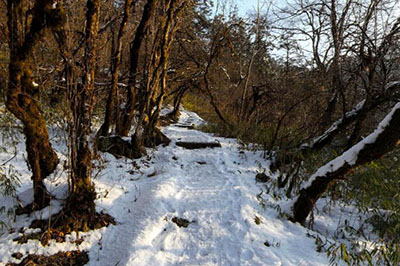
(357, 53)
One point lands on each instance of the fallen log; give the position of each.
(184, 126)
(198, 145)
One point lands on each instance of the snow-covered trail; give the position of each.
(233, 219)
(214, 189)
(202, 189)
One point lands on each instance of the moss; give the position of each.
(21, 93)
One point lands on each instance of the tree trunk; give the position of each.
(116, 62)
(124, 127)
(357, 115)
(82, 195)
(383, 140)
(174, 114)
(151, 99)
(159, 88)
(21, 92)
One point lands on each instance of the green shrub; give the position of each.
(9, 182)
(375, 190)
(9, 176)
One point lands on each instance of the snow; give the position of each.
(214, 189)
(392, 85)
(350, 156)
(335, 125)
(349, 114)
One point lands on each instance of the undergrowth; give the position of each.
(373, 191)
(9, 176)
(9, 182)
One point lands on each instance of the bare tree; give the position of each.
(358, 58)
(83, 195)
(151, 96)
(80, 85)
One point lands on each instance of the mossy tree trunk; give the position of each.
(22, 93)
(124, 125)
(383, 140)
(81, 199)
(150, 98)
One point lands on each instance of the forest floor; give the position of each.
(180, 207)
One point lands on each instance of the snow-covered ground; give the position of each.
(232, 217)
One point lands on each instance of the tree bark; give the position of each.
(383, 140)
(357, 115)
(116, 62)
(124, 127)
(82, 195)
(151, 98)
(21, 92)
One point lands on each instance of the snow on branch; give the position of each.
(383, 140)
(351, 116)
(351, 156)
(338, 124)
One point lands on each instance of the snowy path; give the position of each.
(215, 190)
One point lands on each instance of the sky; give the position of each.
(247, 5)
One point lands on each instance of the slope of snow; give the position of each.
(214, 189)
